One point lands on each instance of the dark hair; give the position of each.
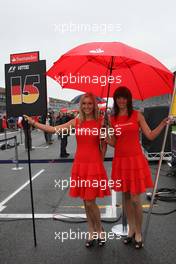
(124, 92)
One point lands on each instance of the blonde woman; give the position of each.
(87, 171)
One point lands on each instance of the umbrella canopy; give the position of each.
(76, 99)
(74, 110)
(101, 67)
(63, 110)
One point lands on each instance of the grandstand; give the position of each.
(163, 100)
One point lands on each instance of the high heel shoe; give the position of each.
(89, 243)
(101, 241)
(128, 239)
(139, 244)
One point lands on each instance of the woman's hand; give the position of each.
(29, 119)
(168, 120)
(110, 140)
(43, 127)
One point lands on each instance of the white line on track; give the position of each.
(18, 190)
(45, 147)
(9, 133)
(2, 208)
(44, 216)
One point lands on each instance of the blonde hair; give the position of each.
(82, 116)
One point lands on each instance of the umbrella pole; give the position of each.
(121, 229)
(159, 167)
(109, 86)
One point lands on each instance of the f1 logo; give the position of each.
(12, 69)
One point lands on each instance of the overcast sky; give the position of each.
(47, 26)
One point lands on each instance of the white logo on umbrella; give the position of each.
(97, 51)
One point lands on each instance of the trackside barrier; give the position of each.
(16, 160)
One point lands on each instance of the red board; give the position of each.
(24, 57)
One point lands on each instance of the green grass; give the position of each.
(174, 128)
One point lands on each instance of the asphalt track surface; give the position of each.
(56, 213)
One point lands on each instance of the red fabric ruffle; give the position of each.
(89, 180)
(133, 172)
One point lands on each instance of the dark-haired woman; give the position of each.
(130, 166)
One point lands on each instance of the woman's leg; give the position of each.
(94, 214)
(129, 209)
(136, 202)
(90, 219)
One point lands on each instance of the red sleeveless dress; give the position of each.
(129, 165)
(88, 178)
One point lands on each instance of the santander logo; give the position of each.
(13, 59)
(96, 51)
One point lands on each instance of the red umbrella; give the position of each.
(74, 110)
(102, 106)
(63, 110)
(101, 67)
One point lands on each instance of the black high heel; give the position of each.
(139, 244)
(128, 239)
(89, 243)
(101, 241)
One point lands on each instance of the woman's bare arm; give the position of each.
(151, 134)
(51, 129)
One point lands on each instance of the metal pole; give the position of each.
(124, 218)
(156, 184)
(159, 168)
(21, 138)
(114, 203)
(5, 137)
(109, 84)
(16, 155)
(121, 229)
(30, 178)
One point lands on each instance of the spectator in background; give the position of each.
(4, 122)
(12, 123)
(62, 119)
(49, 120)
(57, 122)
(19, 122)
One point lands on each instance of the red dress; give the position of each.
(88, 179)
(129, 165)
